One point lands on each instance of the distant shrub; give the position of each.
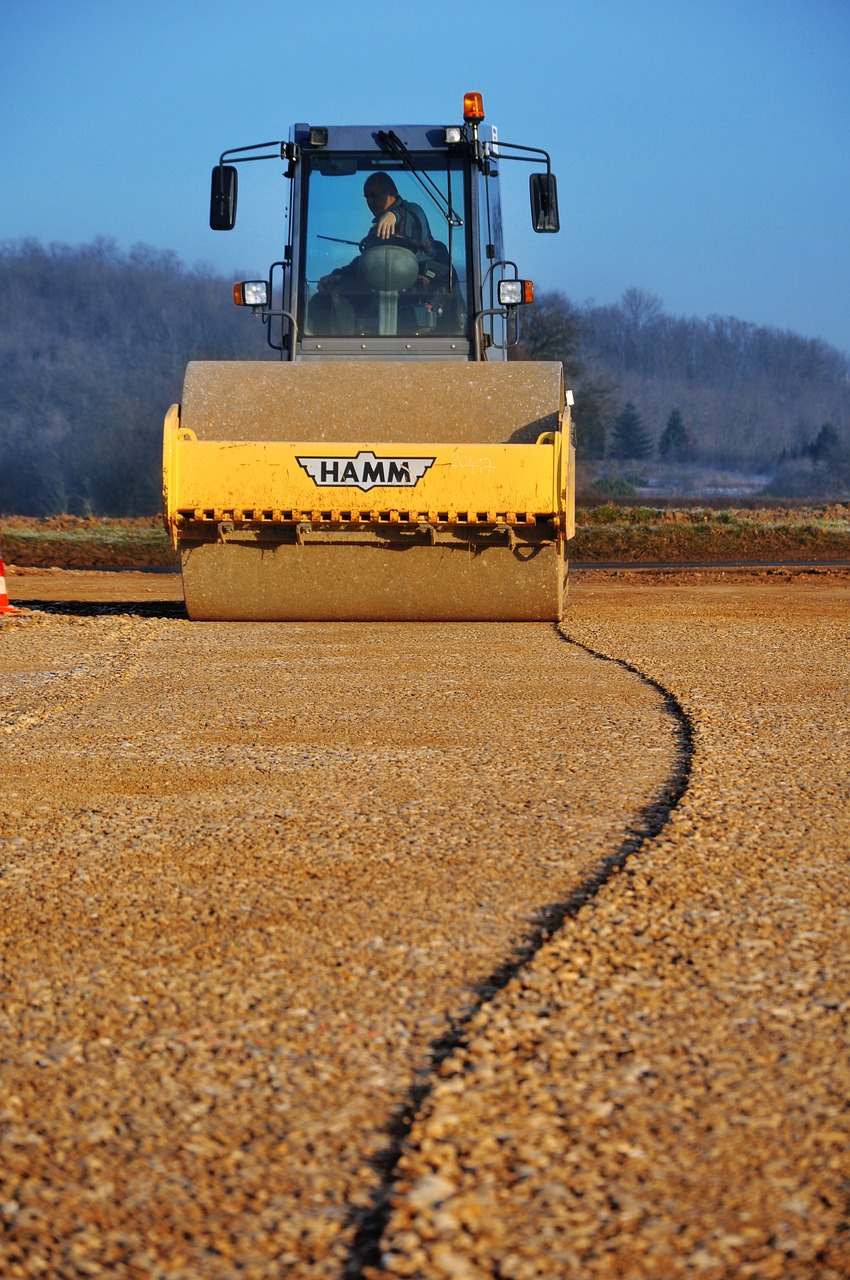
(618, 486)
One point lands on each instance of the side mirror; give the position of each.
(544, 202)
(223, 197)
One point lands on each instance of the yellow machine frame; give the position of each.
(264, 483)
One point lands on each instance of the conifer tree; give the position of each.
(675, 443)
(827, 442)
(630, 440)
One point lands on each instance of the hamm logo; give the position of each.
(365, 471)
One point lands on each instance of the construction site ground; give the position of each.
(439, 951)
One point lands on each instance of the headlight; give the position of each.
(251, 293)
(512, 293)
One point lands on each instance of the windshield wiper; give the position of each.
(392, 142)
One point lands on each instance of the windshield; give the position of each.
(381, 254)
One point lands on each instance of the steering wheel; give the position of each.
(393, 242)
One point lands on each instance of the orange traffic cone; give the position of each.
(5, 608)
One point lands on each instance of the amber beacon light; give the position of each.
(473, 108)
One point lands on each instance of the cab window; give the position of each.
(381, 258)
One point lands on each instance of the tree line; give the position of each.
(699, 393)
(94, 342)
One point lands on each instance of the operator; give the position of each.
(392, 218)
(343, 302)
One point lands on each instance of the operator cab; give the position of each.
(409, 286)
(356, 292)
(395, 242)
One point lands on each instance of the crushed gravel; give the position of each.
(254, 878)
(278, 995)
(662, 1091)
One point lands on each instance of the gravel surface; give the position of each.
(278, 992)
(255, 879)
(663, 1090)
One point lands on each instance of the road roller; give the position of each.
(395, 461)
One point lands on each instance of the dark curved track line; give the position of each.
(371, 1223)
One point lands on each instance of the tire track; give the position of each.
(364, 1262)
(661, 1090)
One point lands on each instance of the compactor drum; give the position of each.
(393, 464)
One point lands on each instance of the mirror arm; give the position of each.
(499, 145)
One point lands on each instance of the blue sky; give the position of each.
(702, 147)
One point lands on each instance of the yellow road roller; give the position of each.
(394, 463)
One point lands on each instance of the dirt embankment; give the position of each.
(78, 542)
(603, 534)
(648, 534)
